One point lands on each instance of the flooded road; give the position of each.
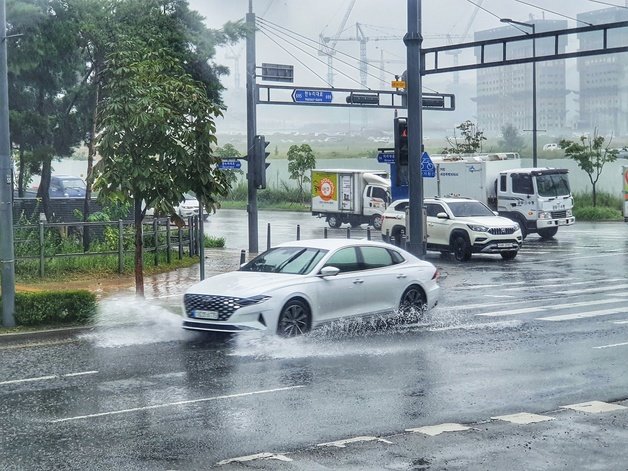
(534, 335)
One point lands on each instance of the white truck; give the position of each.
(539, 199)
(350, 196)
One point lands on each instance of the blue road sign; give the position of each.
(386, 157)
(312, 96)
(428, 170)
(229, 164)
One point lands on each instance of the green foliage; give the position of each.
(597, 213)
(54, 307)
(301, 160)
(212, 242)
(284, 197)
(511, 140)
(226, 152)
(591, 155)
(471, 139)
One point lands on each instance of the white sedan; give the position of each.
(299, 285)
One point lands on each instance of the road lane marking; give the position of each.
(257, 456)
(623, 344)
(597, 289)
(620, 322)
(523, 418)
(44, 378)
(171, 404)
(433, 430)
(582, 315)
(550, 308)
(563, 283)
(344, 443)
(594, 407)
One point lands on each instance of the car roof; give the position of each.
(332, 244)
(66, 177)
(446, 199)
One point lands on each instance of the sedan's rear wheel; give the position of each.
(295, 319)
(413, 304)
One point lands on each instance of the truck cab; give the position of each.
(539, 199)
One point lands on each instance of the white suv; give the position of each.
(461, 226)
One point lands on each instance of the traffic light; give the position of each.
(259, 161)
(401, 142)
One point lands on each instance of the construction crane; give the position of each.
(456, 53)
(235, 56)
(327, 45)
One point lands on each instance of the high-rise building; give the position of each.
(604, 79)
(504, 93)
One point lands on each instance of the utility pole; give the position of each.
(251, 129)
(7, 254)
(413, 40)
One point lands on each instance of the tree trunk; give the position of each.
(594, 196)
(89, 181)
(44, 187)
(20, 181)
(139, 249)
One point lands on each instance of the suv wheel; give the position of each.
(461, 249)
(509, 255)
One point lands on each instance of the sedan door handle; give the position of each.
(358, 282)
(402, 276)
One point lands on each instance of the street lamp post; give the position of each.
(534, 128)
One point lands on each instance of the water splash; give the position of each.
(128, 320)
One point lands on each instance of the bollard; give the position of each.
(348, 233)
(156, 240)
(298, 232)
(120, 246)
(180, 234)
(242, 256)
(388, 235)
(168, 242)
(268, 236)
(368, 233)
(42, 248)
(325, 233)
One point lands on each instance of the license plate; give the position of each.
(213, 315)
(504, 246)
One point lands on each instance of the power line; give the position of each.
(609, 4)
(495, 15)
(554, 12)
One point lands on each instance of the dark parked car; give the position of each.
(66, 186)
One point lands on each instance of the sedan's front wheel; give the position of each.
(413, 304)
(295, 319)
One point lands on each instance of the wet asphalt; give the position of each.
(545, 331)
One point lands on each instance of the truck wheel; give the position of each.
(548, 232)
(511, 254)
(523, 227)
(461, 249)
(397, 235)
(334, 221)
(376, 221)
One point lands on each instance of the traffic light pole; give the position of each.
(7, 251)
(413, 40)
(251, 129)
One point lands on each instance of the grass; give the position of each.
(608, 207)
(212, 242)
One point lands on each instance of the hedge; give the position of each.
(54, 307)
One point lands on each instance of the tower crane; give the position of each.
(456, 53)
(327, 45)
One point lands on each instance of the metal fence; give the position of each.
(158, 236)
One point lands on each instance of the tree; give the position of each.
(511, 139)
(301, 159)
(228, 151)
(591, 155)
(471, 139)
(156, 127)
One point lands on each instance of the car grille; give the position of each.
(559, 214)
(501, 230)
(224, 305)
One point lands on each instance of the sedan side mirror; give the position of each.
(442, 215)
(329, 271)
(495, 213)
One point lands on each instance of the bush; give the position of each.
(54, 307)
(608, 207)
(212, 242)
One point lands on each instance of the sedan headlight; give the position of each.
(253, 300)
(477, 228)
(545, 215)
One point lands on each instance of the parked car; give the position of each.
(551, 147)
(186, 208)
(296, 286)
(67, 186)
(461, 226)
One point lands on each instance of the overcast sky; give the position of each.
(380, 18)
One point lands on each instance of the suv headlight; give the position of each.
(477, 228)
(517, 227)
(545, 215)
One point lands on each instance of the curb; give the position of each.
(42, 334)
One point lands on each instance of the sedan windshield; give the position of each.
(556, 184)
(292, 260)
(74, 183)
(470, 208)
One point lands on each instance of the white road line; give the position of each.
(44, 378)
(563, 283)
(257, 456)
(596, 289)
(620, 322)
(549, 308)
(583, 315)
(623, 344)
(594, 407)
(178, 403)
(344, 443)
(433, 430)
(523, 418)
